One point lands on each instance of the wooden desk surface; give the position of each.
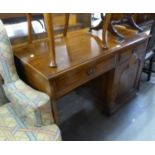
(77, 48)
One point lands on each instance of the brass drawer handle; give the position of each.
(91, 71)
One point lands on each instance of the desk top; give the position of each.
(77, 48)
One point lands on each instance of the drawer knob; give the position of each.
(91, 71)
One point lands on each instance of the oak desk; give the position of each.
(80, 59)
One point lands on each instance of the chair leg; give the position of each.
(138, 86)
(66, 24)
(29, 21)
(150, 69)
(50, 33)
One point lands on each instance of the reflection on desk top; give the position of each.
(77, 48)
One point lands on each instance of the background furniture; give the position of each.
(149, 58)
(109, 21)
(144, 17)
(150, 52)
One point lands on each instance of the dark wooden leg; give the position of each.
(150, 69)
(98, 27)
(102, 16)
(38, 20)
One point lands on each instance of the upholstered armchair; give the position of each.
(13, 128)
(27, 105)
(31, 105)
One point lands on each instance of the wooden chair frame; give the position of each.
(107, 24)
(104, 25)
(48, 19)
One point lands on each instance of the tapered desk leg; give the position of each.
(50, 33)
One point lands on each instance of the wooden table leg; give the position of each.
(49, 26)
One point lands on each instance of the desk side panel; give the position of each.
(32, 77)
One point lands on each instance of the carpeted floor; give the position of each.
(82, 120)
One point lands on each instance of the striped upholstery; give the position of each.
(7, 66)
(29, 104)
(32, 106)
(13, 129)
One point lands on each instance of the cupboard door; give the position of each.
(128, 74)
(121, 82)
